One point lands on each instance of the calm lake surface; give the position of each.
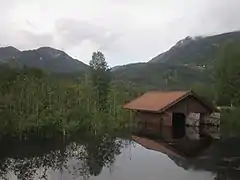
(167, 155)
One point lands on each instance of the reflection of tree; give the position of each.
(3, 169)
(25, 158)
(89, 157)
(101, 153)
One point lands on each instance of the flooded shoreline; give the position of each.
(194, 155)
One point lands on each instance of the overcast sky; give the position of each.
(126, 31)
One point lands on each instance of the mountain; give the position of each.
(149, 76)
(46, 58)
(8, 52)
(197, 50)
(189, 62)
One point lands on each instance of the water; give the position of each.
(167, 155)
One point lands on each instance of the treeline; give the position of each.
(32, 101)
(225, 76)
(228, 86)
(225, 91)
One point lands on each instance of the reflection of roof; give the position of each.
(183, 148)
(157, 101)
(156, 146)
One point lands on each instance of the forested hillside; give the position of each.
(163, 76)
(196, 50)
(187, 64)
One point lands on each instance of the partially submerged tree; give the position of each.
(100, 74)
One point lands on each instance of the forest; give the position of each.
(35, 102)
(227, 86)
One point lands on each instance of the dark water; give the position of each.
(167, 155)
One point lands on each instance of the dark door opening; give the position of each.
(178, 124)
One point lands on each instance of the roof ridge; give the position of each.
(186, 93)
(172, 91)
(158, 101)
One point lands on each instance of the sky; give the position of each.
(126, 31)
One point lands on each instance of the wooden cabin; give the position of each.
(170, 108)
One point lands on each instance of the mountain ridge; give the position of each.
(45, 58)
(190, 60)
(200, 46)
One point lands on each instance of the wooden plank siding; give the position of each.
(188, 105)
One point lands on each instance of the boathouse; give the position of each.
(170, 108)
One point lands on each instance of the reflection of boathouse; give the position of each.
(221, 157)
(189, 143)
(174, 108)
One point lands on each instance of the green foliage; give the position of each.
(228, 75)
(205, 91)
(32, 101)
(228, 86)
(230, 120)
(100, 76)
(151, 76)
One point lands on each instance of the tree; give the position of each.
(204, 90)
(228, 75)
(100, 74)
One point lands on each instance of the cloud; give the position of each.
(72, 33)
(31, 39)
(23, 39)
(126, 31)
(220, 16)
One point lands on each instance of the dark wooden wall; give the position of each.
(153, 120)
(188, 105)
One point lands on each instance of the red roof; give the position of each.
(158, 100)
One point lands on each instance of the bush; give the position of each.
(230, 120)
